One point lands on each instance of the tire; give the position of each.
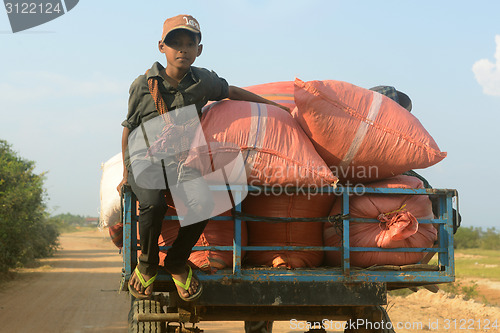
(384, 317)
(144, 306)
(258, 326)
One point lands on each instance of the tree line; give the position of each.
(476, 237)
(26, 230)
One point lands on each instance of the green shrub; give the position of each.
(25, 230)
(490, 240)
(457, 288)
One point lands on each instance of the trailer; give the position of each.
(311, 299)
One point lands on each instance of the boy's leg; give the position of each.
(198, 199)
(152, 209)
(178, 254)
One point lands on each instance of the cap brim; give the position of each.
(188, 28)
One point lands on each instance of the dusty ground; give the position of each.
(76, 291)
(428, 312)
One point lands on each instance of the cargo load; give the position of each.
(286, 233)
(275, 149)
(278, 92)
(362, 135)
(398, 225)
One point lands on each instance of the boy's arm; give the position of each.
(239, 94)
(124, 181)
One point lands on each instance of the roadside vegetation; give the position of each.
(70, 223)
(27, 231)
(477, 256)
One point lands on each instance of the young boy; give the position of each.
(156, 93)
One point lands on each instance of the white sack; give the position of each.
(112, 175)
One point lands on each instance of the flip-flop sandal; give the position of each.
(136, 293)
(186, 286)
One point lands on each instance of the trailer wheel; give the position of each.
(372, 314)
(144, 306)
(258, 326)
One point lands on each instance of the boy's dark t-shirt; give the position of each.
(198, 86)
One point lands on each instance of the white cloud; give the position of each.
(487, 73)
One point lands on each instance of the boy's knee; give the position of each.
(156, 209)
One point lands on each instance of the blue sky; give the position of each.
(64, 85)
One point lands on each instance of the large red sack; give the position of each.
(286, 233)
(398, 226)
(274, 148)
(362, 135)
(116, 234)
(278, 92)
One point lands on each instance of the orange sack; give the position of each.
(362, 135)
(286, 233)
(278, 92)
(116, 234)
(274, 148)
(398, 226)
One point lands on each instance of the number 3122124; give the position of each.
(32, 8)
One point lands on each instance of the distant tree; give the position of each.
(467, 237)
(476, 237)
(25, 230)
(70, 219)
(68, 222)
(490, 240)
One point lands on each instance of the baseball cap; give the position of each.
(396, 95)
(186, 22)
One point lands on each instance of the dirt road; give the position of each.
(76, 291)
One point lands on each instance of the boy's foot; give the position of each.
(188, 286)
(141, 285)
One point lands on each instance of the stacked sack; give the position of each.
(397, 227)
(277, 154)
(110, 211)
(278, 92)
(362, 134)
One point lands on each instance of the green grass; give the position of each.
(477, 263)
(469, 291)
(470, 264)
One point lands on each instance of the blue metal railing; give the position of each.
(445, 271)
